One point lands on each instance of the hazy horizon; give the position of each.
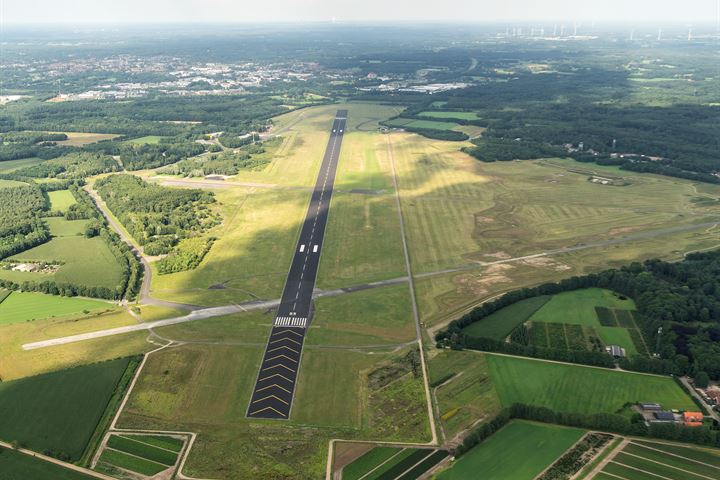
(66, 12)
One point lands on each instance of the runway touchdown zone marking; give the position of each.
(275, 384)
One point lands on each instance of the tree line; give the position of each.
(678, 310)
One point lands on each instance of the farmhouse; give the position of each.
(693, 419)
(615, 350)
(663, 416)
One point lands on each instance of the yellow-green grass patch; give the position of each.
(17, 363)
(368, 317)
(59, 227)
(24, 306)
(60, 200)
(147, 139)
(449, 114)
(78, 139)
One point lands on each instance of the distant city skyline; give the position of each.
(153, 11)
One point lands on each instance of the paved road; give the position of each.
(275, 384)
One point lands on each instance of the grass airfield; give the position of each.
(457, 211)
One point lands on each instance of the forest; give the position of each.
(249, 157)
(21, 225)
(678, 308)
(163, 220)
(72, 166)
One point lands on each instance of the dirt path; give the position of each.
(416, 314)
(598, 468)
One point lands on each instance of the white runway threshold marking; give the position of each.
(299, 322)
(302, 248)
(315, 248)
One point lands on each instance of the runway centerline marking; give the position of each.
(294, 313)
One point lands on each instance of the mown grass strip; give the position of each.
(168, 443)
(425, 465)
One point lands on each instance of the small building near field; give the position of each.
(616, 351)
(664, 416)
(651, 407)
(693, 419)
(25, 267)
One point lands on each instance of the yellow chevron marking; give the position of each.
(273, 385)
(272, 396)
(267, 408)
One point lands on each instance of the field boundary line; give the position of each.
(641, 470)
(383, 463)
(667, 465)
(673, 454)
(611, 455)
(411, 285)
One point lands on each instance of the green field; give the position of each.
(426, 124)
(168, 443)
(53, 411)
(24, 306)
(84, 261)
(498, 325)
(135, 446)
(10, 165)
(60, 200)
(467, 393)
(59, 227)
(369, 461)
(151, 139)
(18, 466)
(574, 388)
(449, 114)
(645, 459)
(520, 451)
(580, 307)
(11, 183)
(131, 462)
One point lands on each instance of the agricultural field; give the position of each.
(16, 465)
(11, 183)
(642, 459)
(53, 412)
(83, 261)
(10, 165)
(463, 389)
(449, 115)
(143, 454)
(586, 313)
(60, 200)
(519, 451)
(387, 463)
(78, 139)
(580, 389)
(499, 324)
(148, 139)
(25, 306)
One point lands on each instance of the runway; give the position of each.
(275, 384)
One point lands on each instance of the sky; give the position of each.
(153, 11)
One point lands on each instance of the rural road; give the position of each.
(692, 391)
(275, 384)
(144, 295)
(67, 465)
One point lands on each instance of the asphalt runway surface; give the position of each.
(275, 384)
